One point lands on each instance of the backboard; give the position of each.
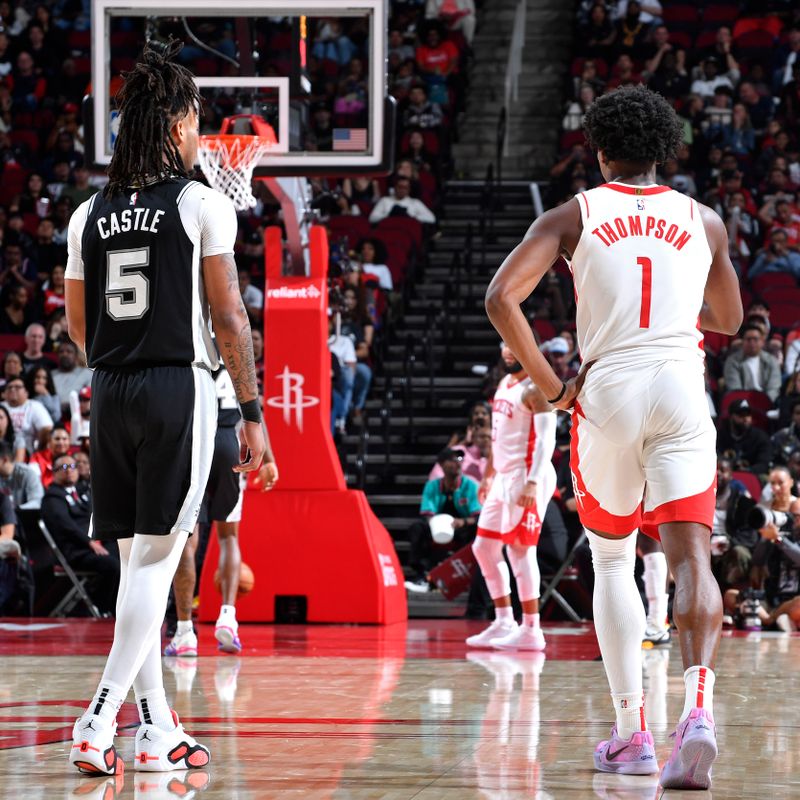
(315, 70)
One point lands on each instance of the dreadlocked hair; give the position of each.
(155, 93)
(633, 124)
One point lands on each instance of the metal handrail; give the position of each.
(362, 454)
(514, 67)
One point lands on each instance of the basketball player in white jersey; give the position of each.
(651, 271)
(517, 486)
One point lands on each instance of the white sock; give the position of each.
(227, 616)
(619, 622)
(630, 714)
(531, 621)
(699, 683)
(106, 701)
(506, 613)
(184, 626)
(154, 709)
(655, 582)
(148, 565)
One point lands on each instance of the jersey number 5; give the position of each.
(647, 285)
(127, 289)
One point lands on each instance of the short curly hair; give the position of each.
(633, 124)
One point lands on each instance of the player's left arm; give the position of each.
(544, 425)
(74, 297)
(722, 300)
(555, 233)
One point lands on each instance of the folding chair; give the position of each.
(550, 583)
(77, 594)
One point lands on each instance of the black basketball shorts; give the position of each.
(225, 489)
(152, 440)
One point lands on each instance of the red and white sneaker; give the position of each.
(93, 751)
(158, 750)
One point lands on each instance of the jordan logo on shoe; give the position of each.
(611, 756)
(89, 726)
(145, 735)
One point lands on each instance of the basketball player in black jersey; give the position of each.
(150, 261)
(222, 505)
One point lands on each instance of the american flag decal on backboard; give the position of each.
(349, 138)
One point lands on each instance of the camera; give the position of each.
(759, 517)
(748, 618)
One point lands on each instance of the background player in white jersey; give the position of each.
(222, 505)
(149, 261)
(651, 269)
(519, 481)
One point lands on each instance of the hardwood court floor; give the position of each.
(398, 713)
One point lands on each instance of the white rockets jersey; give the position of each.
(640, 271)
(513, 434)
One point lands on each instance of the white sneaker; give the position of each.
(656, 635)
(183, 645)
(227, 636)
(419, 586)
(498, 629)
(523, 638)
(158, 750)
(185, 784)
(93, 751)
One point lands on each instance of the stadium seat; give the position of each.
(790, 337)
(721, 14)
(751, 483)
(680, 39)
(544, 328)
(30, 223)
(759, 402)
(705, 39)
(354, 228)
(28, 139)
(680, 17)
(570, 138)
(784, 316)
(79, 40)
(770, 280)
(12, 341)
(757, 39)
(781, 295)
(771, 24)
(408, 226)
(715, 343)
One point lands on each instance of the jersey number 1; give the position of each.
(647, 285)
(127, 289)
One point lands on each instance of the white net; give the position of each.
(228, 163)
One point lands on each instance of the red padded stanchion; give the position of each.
(311, 536)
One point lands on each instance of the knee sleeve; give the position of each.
(489, 555)
(525, 565)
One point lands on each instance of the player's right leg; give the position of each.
(184, 642)
(655, 579)
(226, 631)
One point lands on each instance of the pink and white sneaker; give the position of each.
(634, 756)
(228, 639)
(183, 645)
(689, 766)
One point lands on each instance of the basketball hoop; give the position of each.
(228, 160)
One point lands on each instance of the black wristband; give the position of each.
(560, 394)
(251, 411)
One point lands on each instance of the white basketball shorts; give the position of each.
(502, 518)
(643, 448)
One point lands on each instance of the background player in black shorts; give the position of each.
(222, 505)
(150, 261)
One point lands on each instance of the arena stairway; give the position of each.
(425, 384)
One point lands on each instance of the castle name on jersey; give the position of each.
(609, 233)
(131, 219)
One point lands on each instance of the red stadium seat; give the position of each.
(769, 280)
(12, 341)
(79, 40)
(756, 39)
(705, 39)
(751, 483)
(30, 223)
(12, 182)
(784, 315)
(406, 225)
(715, 343)
(679, 15)
(781, 295)
(570, 138)
(354, 228)
(681, 39)
(29, 139)
(722, 14)
(544, 328)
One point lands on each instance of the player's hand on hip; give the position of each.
(574, 387)
(267, 476)
(527, 498)
(253, 445)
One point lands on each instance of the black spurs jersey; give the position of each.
(139, 253)
(228, 414)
